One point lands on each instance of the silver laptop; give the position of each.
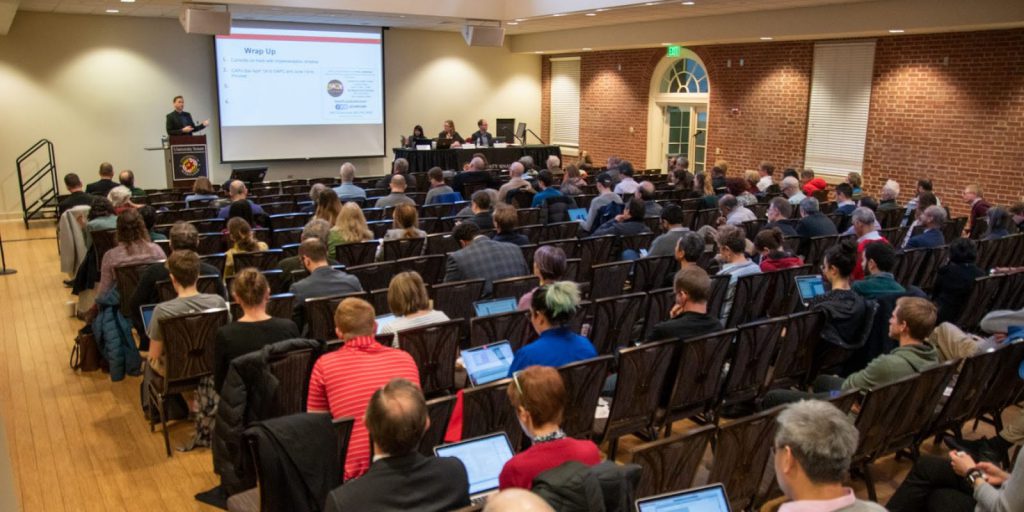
(495, 306)
(487, 363)
(810, 287)
(710, 498)
(483, 458)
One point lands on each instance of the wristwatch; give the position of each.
(974, 475)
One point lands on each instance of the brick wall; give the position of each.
(956, 121)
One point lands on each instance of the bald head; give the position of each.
(348, 172)
(477, 164)
(397, 183)
(397, 417)
(237, 190)
(554, 163)
(516, 170)
(517, 500)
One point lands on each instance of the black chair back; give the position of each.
(513, 326)
(127, 281)
(440, 412)
(260, 260)
(752, 356)
(583, 382)
(659, 305)
(374, 276)
(609, 279)
(403, 248)
(670, 464)
(513, 286)
(613, 320)
(694, 381)
(359, 253)
(486, 409)
(434, 348)
(456, 298)
(719, 291)
(741, 452)
(642, 372)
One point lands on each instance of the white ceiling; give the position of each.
(612, 13)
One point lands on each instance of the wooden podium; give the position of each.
(185, 160)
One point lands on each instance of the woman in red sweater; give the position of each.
(768, 243)
(538, 396)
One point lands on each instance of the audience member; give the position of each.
(846, 313)
(572, 181)
(106, 182)
(628, 185)
(238, 192)
(814, 443)
(483, 258)
(689, 316)
(477, 174)
(998, 223)
(959, 485)
(480, 204)
(925, 200)
(400, 167)
(505, 220)
(747, 188)
(242, 240)
(878, 262)
(955, 279)
(406, 223)
(328, 206)
(645, 193)
(890, 191)
(148, 214)
(101, 215)
(979, 207)
(629, 222)
(515, 182)
(552, 308)
(779, 214)
(76, 197)
(810, 184)
(254, 330)
(323, 281)
(869, 203)
(350, 228)
(549, 265)
(769, 244)
(812, 222)
(844, 199)
(598, 212)
(933, 219)
(718, 173)
(791, 189)
(766, 171)
(344, 381)
(438, 188)
(348, 190)
(732, 244)
(733, 213)
(865, 227)
(202, 190)
(315, 228)
(121, 199)
(672, 218)
(924, 186)
(855, 181)
(704, 189)
(314, 199)
(1017, 212)
(409, 302)
(397, 195)
(127, 179)
(689, 248)
(133, 247)
(545, 181)
(539, 398)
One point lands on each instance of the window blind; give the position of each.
(840, 96)
(565, 102)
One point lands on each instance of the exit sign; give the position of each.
(675, 50)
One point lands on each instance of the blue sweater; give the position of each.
(555, 347)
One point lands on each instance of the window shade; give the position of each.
(565, 102)
(840, 96)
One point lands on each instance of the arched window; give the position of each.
(685, 76)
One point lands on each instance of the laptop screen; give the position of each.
(579, 214)
(488, 363)
(703, 499)
(382, 321)
(147, 314)
(483, 457)
(810, 287)
(495, 306)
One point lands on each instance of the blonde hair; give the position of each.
(352, 224)
(752, 177)
(407, 294)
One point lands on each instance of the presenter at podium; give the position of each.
(180, 122)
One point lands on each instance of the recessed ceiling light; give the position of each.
(512, 23)
(689, 3)
(587, 49)
(591, 14)
(127, 1)
(651, 3)
(666, 44)
(559, 14)
(538, 51)
(766, 38)
(520, 19)
(601, 10)
(112, 11)
(896, 31)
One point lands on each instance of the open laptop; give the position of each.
(383, 320)
(495, 306)
(483, 457)
(146, 312)
(578, 214)
(444, 143)
(810, 287)
(710, 498)
(487, 363)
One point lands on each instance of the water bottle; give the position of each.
(164, 142)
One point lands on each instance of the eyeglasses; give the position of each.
(519, 387)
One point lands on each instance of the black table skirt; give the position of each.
(454, 159)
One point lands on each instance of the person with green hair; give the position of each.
(552, 307)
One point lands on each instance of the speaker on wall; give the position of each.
(480, 35)
(205, 21)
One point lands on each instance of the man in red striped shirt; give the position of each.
(344, 381)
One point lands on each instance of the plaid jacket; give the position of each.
(487, 259)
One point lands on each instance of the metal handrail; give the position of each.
(47, 200)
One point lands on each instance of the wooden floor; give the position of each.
(80, 442)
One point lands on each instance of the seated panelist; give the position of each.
(482, 137)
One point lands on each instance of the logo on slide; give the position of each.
(189, 165)
(335, 88)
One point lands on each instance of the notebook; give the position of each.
(483, 458)
(495, 306)
(487, 363)
(710, 498)
(578, 214)
(810, 287)
(146, 311)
